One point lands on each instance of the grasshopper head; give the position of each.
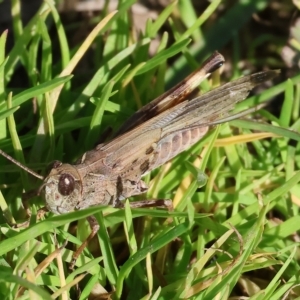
(62, 188)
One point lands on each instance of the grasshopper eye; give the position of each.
(66, 184)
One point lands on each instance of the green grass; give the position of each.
(233, 231)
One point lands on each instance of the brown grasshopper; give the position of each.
(159, 131)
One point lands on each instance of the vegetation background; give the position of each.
(234, 232)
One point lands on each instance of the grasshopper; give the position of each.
(156, 133)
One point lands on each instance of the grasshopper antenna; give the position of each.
(21, 166)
